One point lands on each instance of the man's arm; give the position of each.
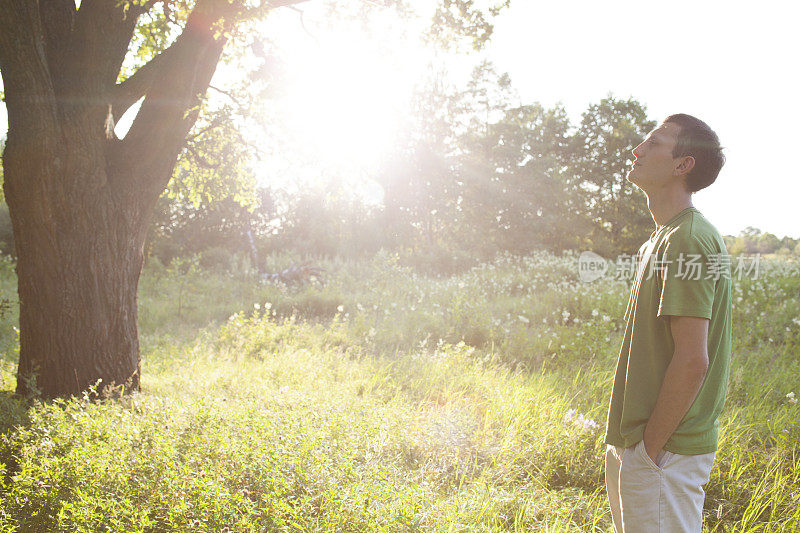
(682, 382)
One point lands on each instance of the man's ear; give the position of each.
(685, 166)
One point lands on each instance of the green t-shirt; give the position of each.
(683, 270)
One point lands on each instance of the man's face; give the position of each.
(653, 164)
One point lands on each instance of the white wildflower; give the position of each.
(577, 419)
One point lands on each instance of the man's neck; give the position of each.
(663, 207)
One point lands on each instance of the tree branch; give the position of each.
(202, 161)
(214, 124)
(102, 33)
(174, 84)
(175, 87)
(236, 100)
(127, 93)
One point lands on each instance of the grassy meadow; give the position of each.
(388, 399)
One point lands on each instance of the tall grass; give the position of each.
(386, 400)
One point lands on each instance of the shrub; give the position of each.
(165, 250)
(6, 231)
(216, 259)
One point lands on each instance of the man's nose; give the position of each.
(636, 151)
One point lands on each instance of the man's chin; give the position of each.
(632, 179)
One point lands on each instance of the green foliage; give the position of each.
(752, 241)
(211, 169)
(529, 201)
(2, 149)
(6, 231)
(617, 209)
(438, 261)
(156, 29)
(476, 173)
(180, 228)
(165, 250)
(9, 309)
(457, 21)
(318, 221)
(215, 259)
(768, 243)
(182, 273)
(481, 176)
(387, 400)
(214, 168)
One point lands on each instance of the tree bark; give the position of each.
(78, 295)
(80, 202)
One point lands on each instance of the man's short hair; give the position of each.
(696, 139)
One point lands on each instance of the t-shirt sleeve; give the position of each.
(688, 284)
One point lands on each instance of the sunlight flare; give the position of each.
(347, 91)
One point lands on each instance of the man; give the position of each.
(672, 372)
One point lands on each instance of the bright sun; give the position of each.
(347, 92)
(346, 101)
(346, 97)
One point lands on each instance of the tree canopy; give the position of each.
(80, 199)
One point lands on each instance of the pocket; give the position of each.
(664, 459)
(642, 452)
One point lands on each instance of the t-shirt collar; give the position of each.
(671, 221)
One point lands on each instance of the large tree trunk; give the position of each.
(80, 199)
(78, 316)
(78, 309)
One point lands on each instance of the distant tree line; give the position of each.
(752, 241)
(474, 176)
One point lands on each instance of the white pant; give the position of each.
(656, 498)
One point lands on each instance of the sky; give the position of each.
(731, 64)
